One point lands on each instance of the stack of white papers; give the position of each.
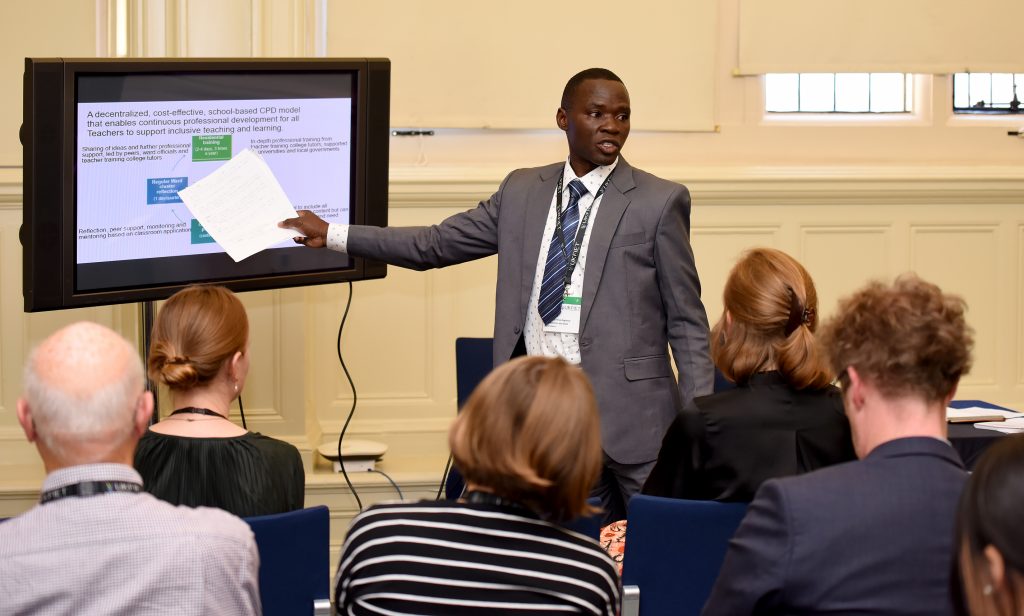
(965, 414)
(1013, 425)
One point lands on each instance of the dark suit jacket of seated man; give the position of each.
(867, 537)
(640, 295)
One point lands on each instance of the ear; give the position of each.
(728, 320)
(996, 566)
(25, 419)
(143, 412)
(562, 119)
(235, 366)
(855, 391)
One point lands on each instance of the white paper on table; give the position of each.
(1014, 425)
(240, 205)
(974, 411)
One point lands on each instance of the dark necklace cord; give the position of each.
(195, 410)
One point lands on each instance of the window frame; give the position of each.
(919, 115)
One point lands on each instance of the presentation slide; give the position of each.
(134, 157)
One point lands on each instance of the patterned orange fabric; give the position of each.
(613, 540)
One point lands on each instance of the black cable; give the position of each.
(444, 477)
(351, 411)
(392, 481)
(241, 411)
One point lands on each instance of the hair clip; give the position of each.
(797, 313)
(808, 316)
(177, 359)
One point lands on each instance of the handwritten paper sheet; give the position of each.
(240, 205)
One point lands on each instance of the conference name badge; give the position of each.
(567, 321)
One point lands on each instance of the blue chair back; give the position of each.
(294, 560)
(474, 359)
(674, 549)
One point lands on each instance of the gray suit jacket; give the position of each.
(868, 537)
(641, 293)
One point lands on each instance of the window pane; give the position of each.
(960, 86)
(887, 92)
(981, 86)
(908, 92)
(852, 92)
(817, 91)
(1002, 89)
(782, 92)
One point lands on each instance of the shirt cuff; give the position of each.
(337, 237)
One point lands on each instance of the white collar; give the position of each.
(592, 180)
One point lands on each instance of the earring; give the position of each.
(236, 388)
(987, 590)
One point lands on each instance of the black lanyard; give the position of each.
(195, 410)
(581, 231)
(89, 488)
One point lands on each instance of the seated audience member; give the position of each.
(529, 445)
(783, 418)
(874, 536)
(990, 533)
(96, 543)
(196, 456)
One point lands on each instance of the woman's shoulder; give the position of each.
(244, 445)
(461, 521)
(272, 446)
(269, 441)
(755, 403)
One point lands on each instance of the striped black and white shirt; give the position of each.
(457, 558)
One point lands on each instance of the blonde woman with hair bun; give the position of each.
(783, 418)
(197, 456)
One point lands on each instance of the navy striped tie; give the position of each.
(552, 286)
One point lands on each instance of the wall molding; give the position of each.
(765, 186)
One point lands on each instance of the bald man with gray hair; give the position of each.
(96, 543)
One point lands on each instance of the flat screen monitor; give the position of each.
(109, 143)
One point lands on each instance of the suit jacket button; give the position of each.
(584, 342)
(516, 330)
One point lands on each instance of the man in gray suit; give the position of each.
(873, 536)
(594, 265)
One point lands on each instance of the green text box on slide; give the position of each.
(211, 147)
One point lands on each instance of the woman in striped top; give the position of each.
(528, 444)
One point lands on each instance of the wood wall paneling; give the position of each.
(966, 259)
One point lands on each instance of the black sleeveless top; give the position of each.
(247, 475)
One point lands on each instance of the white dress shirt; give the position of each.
(538, 341)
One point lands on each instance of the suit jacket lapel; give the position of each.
(613, 206)
(538, 205)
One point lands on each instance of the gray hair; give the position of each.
(68, 404)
